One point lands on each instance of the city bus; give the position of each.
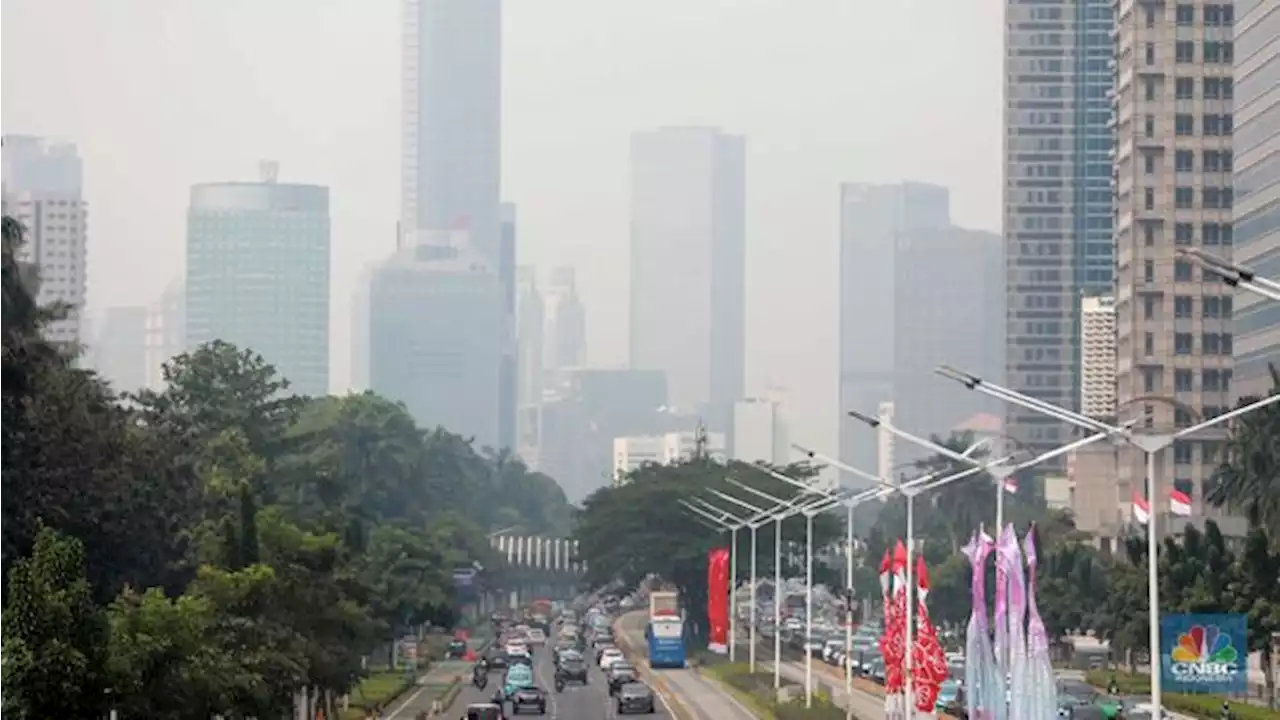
(665, 631)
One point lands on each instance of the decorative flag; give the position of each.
(1011, 485)
(928, 662)
(983, 683)
(1141, 509)
(894, 648)
(1001, 644)
(1042, 687)
(1179, 503)
(1011, 557)
(718, 600)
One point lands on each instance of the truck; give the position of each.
(664, 632)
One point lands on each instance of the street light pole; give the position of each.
(733, 573)
(848, 606)
(1149, 443)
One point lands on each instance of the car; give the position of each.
(517, 647)
(948, 693)
(602, 638)
(537, 637)
(457, 649)
(528, 698)
(620, 674)
(635, 697)
(484, 711)
(514, 660)
(573, 669)
(609, 656)
(496, 660)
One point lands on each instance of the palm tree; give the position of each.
(1248, 481)
(963, 506)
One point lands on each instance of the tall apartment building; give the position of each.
(688, 266)
(1173, 188)
(434, 310)
(1098, 357)
(508, 376)
(529, 380)
(760, 432)
(257, 273)
(1057, 198)
(43, 190)
(565, 338)
(166, 332)
(632, 453)
(1256, 144)
(120, 349)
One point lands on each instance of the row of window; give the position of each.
(1211, 125)
(1184, 88)
(1185, 161)
(1211, 380)
(1183, 271)
(1215, 15)
(1211, 306)
(1211, 51)
(1210, 344)
(1184, 198)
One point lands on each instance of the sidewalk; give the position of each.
(432, 685)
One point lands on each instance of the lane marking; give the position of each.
(413, 696)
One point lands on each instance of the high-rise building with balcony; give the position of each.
(1098, 357)
(43, 191)
(257, 273)
(1173, 188)
(688, 266)
(1256, 167)
(1057, 198)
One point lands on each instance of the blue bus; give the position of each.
(666, 642)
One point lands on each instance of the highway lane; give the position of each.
(577, 702)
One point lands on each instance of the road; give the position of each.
(690, 696)
(577, 702)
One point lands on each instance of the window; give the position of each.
(1149, 164)
(1181, 418)
(1148, 344)
(1149, 270)
(1149, 86)
(1184, 51)
(1182, 380)
(1216, 125)
(1148, 380)
(1184, 88)
(1149, 198)
(1186, 14)
(1182, 271)
(1151, 53)
(1149, 126)
(1211, 233)
(1210, 344)
(1148, 307)
(1217, 306)
(1184, 124)
(1216, 197)
(1217, 161)
(1182, 452)
(1218, 52)
(1151, 17)
(1215, 380)
(1218, 15)
(1182, 233)
(1148, 235)
(1182, 306)
(1182, 343)
(1184, 161)
(1227, 344)
(1218, 88)
(1184, 198)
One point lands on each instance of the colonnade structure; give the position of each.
(538, 566)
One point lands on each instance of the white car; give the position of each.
(609, 657)
(537, 637)
(517, 648)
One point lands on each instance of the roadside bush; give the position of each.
(1204, 706)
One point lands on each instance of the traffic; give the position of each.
(561, 661)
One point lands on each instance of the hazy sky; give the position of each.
(161, 94)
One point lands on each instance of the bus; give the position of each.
(665, 631)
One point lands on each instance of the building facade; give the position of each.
(632, 453)
(760, 432)
(1057, 198)
(166, 332)
(434, 310)
(1256, 180)
(565, 335)
(43, 191)
(688, 269)
(451, 117)
(1098, 357)
(257, 274)
(120, 350)
(1173, 180)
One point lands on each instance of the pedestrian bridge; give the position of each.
(535, 566)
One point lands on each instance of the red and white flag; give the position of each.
(1179, 503)
(1011, 485)
(1141, 509)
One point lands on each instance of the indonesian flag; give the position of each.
(1179, 503)
(1011, 485)
(1141, 509)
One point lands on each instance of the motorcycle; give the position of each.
(479, 678)
(559, 683)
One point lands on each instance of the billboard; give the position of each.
(1204, 653)
(718, 599)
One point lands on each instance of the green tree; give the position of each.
(1249, 479)
(55, 639)
(1255, 592)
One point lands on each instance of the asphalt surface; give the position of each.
(576, 702)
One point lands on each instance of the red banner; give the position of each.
(718, 599)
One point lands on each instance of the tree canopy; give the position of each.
(211, 547)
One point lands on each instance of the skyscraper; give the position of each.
(43, 191)
(565, 341)
(508, 377)
(688, 253)
(875, 220)
(166, 331)
(1173, 188)
(1098, 357)
(1057, 197)
(1257, 188)
(434, 310)
(529, 329)
(451, 74)
(258, 273)
(120, 350)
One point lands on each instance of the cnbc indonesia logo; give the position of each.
(1204, 654)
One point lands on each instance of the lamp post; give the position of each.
(1151, 444)
(1237, 276)
(732, 524)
